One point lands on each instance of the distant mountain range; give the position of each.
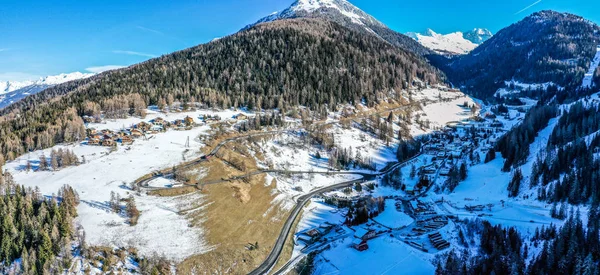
(452, 43)
(13, 91)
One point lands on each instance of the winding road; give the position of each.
(301, 201)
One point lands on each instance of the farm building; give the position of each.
(364, 234)
(360, 245)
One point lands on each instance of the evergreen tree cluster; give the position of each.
(574, 248)
(259, 121)
(278, 65)
(408, 149)
(580, 173)
(364, 209)
(500, 252)
(36, 229)
(345, 159)
(569, 166)
(575, 124)
(514, 146)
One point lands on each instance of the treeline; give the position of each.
(25, 133)
(35, 229)
(514, 146)
(283, 64)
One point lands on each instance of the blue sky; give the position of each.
(46, 37)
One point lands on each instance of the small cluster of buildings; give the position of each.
(126, 136)
(421, 208)
(314, 234)
(361, 236)
(438, 242)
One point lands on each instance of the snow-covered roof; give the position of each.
(360, 232)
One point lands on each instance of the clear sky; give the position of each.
(46, 37)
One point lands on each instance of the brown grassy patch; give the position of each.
(235, 213)
(172, 192)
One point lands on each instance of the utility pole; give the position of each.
(187, 143)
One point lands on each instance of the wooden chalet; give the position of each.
(360, 245)
(189, 121)
(126, 140)
(93, 141)
(108, 142)
(364, 234)
(135, 133)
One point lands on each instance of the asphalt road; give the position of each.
(271, 260)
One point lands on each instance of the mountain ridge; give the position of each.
(348, 15)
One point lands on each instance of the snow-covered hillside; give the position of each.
(13, 91)
(452, 43)
(589, 76)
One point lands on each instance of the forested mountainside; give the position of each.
(307, 62)
(545, 47)
(348, 15)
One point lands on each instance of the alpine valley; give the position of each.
(314, 141)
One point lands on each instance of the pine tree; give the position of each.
(54, 160)
(132, 212)
(515, 183)
(43, 163)
(463, 171)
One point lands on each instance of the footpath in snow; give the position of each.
(589, 76)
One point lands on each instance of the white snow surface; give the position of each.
(393, 218)
(13, 91)
(344, 7)
(453, 43)
(520, 86)
(589, 76)
(386, 255)
(160, 229)
(7, 86)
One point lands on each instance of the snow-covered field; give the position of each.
(386, 255)
(393, 218)
(160, 229)
(440, 113)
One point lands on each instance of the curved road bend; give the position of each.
(271, 260)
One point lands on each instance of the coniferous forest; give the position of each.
(36, 229)
(306, 62)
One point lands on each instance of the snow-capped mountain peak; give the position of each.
(10, 86)
(478, 35)
(12, 91)
(452, 43)
(313, 8)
